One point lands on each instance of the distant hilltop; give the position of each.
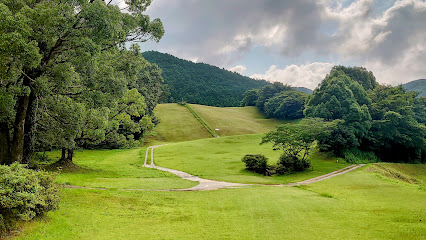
(202, 83)
(418, 86)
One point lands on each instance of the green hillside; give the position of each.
(418, 86)
(177, 124)
(201, 83)
(236, 120)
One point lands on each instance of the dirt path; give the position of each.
(207, 184)
(204, 184)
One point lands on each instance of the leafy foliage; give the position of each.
(277, 100)
(25, 194)
(65, 72)
(267, 92)
(286, 105)
(384, 120)
(296, 140)
(249, 98)
(257, 163)
(359, 74)
(340, 97)
(201, 83)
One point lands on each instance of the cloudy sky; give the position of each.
(297, 42)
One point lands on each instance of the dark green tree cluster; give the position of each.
(201, 83)
(67, 79)
(295, 141)
(383, 120)
(277, 101)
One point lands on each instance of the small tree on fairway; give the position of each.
(296, 140)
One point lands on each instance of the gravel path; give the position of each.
(207, 184)
(204, 184)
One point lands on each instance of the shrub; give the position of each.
(24, 194)
(288, 164)
(257, 163)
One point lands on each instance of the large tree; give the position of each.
(50, 51)
(340, 97)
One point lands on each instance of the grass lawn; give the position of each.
(118, 169)
(177, 124)
(356, 205)
(236, 120)
(220, 159)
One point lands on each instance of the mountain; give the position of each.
(303, 89)
(418, 86)
(201, 83)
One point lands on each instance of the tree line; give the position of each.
(370, 121)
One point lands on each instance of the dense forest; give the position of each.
(417, 86)
(201, 83)
(371, 121)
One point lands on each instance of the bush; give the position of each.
(257, 163)
(24, 194)
(288, 164)
(355, 155)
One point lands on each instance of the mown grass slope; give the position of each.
(236, 120)
(356, 205)
(120, 169)
(177, 124)
(220, 159)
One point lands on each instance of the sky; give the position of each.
(297, 42)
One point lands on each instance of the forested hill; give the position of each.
(418, 86)
(202, 83)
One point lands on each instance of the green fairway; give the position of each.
(356, 205)
(118, 169)
(236, 120)
(177, 124)
(220, 159)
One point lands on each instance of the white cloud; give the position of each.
(307, 75)
(239, 69)
(389, 40)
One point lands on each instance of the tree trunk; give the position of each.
(19, 129)
(63, 154)
(4, 143)
(29, 131)
(70, 154)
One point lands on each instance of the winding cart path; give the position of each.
(207, 184)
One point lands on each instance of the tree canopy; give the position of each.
(64, 65)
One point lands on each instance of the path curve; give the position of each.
(204, 184)
(207, 184)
